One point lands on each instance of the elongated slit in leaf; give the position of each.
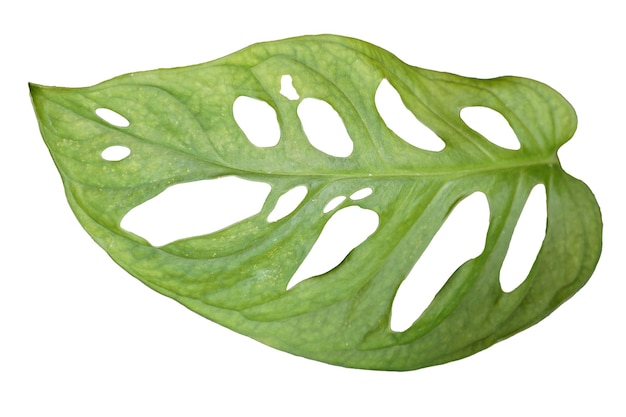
(492, 125)
(324, 128)
(402, 121)
(526, 242)
(196, 208)
(361, 194)
(112, 117)
(460, 238)
(287, 203)
(344, 231)
(334, 203)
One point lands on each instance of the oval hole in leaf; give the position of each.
(526, 241)
(115, 153)
(196, 208)
(324, 128)
(287, 203)
(334, 203)
(461, 238)
(402, 121)
(257, 119)
(491, 125)
(361, 194)
(112, 117)
(343, 232)
(287, 89)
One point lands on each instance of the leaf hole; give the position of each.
(361, 194)
(196, 208)
(344, 231)
(526, 241)
(324, 128)
(287, 89)
(334, 203)
(492, 125)
(258, 121)
(112, 118)
(402, 121)
(461, 238)
(115, 153)
(287, 203)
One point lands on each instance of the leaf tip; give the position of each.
(35, 90)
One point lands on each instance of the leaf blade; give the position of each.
(181, 129)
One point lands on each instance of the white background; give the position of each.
(80, 337)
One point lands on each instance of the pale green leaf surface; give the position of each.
(182, 129)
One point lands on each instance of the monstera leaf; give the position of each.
(178, 126)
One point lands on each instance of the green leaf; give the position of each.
(178, 125)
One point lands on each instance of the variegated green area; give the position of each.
(182, 129)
